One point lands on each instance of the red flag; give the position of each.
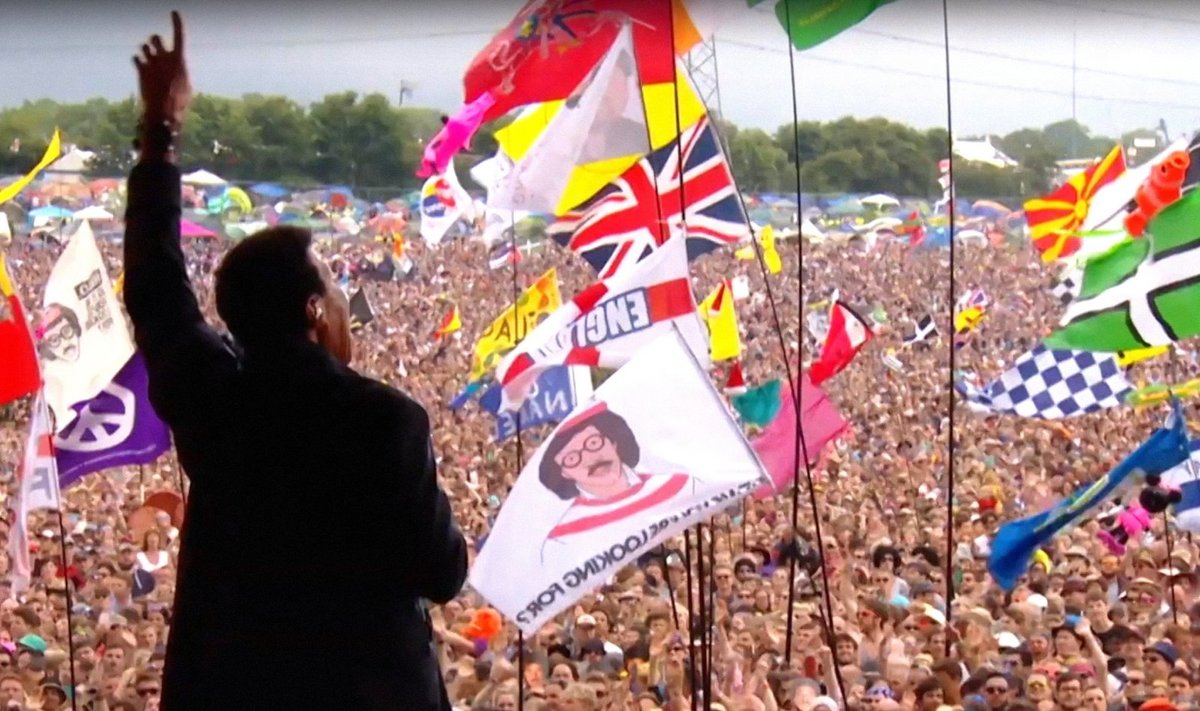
(19, 374)
(776, 446)
(848, 333)
(552, 45)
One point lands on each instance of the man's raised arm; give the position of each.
(169, 327)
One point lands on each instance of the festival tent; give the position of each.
(95, 212)
(50, 212)
(203, 178)
(270, 191)
(880, 201)
(990, 209)
(187, 228)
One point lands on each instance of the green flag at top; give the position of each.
(811, 22)
(1146, 292)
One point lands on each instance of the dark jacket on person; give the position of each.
(314, 530)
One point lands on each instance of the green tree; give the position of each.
(758, 164)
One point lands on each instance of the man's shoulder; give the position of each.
(374, 399)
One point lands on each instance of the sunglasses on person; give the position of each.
(996, 690)
(148, 691)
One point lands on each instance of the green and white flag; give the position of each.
(1144, 293)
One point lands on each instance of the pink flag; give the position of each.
(848, 333)
(454, 136)
(776, 446)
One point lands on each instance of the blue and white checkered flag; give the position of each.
(1050, 385)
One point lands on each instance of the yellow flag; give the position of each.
(968, 319)
(516, 138)
(717, 311)
(1128, 358)
(119, 283)
(770, 254)
(53, 151)
(537, 302)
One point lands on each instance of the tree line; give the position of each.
(367, 141)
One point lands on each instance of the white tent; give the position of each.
(203, 178)
(95, 212)
(880, 200)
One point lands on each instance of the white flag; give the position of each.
(606, 323)
(443, 202)
(655, 450)
(38, 489)
(82, 339)
(603, 119)
(497, 223)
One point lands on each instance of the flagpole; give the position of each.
(518, 336)
(953, 289)
(62, 532)
(62, 537)
(687, 562)
(797, 389)
(670, 587)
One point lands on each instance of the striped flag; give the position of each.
(451, 323)
(38, 489)
(502, 255)
(653, 201)
(1144, 293)
(608, 321)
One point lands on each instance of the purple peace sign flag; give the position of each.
(116, 428)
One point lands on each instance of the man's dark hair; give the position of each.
(264, 283)
(609, 424)
(1065, 678)
(927, 685)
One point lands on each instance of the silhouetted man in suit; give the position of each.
(315, 527)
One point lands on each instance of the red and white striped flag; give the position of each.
(38, 489)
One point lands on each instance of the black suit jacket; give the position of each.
(315, 526)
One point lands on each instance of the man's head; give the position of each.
(271, 289)
(588, 453)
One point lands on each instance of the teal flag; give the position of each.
(1143, 293)
(811, 22)
(759, 405)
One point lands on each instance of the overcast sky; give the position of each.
(1011, 60)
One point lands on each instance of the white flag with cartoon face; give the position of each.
(653, 451)
(82, 338)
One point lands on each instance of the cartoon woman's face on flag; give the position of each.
(590, 459)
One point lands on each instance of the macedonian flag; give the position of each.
(1055, 220)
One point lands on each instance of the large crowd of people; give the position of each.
(1084, 629)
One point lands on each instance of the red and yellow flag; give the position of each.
(1055, 220)
(19, 374)
(451, 323)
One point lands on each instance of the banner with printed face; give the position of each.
(622, 474)
(82, 338)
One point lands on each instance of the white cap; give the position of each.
(826, 701)
(1038, 600)
(1007, 640)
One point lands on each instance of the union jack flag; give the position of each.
(640, 210)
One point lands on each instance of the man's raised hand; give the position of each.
(163, 77)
